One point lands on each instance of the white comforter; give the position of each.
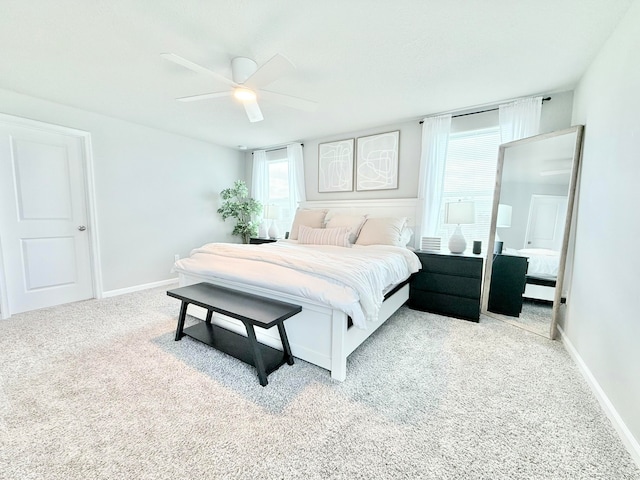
(352, 280)
(542, 261)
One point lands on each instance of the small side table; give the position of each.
(508, 282)
(257, 240)
(447, 284)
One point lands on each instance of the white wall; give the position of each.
(518, 195)
(603, 316)
(408, 161)
(156, 192)
(556, 115)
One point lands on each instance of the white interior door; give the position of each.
(547, 215)
(46, 256)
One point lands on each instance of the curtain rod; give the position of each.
(545, 99)
(278, 147)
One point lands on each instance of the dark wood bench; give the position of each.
(251, 310)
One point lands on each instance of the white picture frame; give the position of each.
(377, 161)
(335, 166)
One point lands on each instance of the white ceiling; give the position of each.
(366, 62)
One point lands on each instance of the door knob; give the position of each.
(82, 228)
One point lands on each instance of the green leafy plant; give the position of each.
(236, 203)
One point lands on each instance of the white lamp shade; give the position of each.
(504, 216)
(460, 212)
(272, 212)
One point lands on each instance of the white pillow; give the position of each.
(405, 236)
(382, 231)
(352, 222)
(324, 236)
(313, 218)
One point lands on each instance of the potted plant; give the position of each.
(237, 203)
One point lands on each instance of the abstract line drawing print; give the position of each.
(335, 166)
(377, 164)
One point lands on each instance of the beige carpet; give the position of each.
(100, 390)
(535, 316)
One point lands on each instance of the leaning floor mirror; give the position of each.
(530, 230)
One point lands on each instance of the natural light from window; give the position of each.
(278, 187)
(470, 174)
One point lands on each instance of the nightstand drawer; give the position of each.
(443, 304)
(449, 284)
(452, 265)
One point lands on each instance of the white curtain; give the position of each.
(435, 140)
(259, 178)
(297, 192)
(520, 118)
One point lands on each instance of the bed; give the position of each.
(331, 325)
(542, 272)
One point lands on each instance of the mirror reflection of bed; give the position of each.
(534, 193)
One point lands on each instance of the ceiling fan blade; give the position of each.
(276, 67)
(253, 110)
(289, 101)
(205, 96)
(172, 57)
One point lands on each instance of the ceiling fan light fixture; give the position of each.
(248, 79)
(244, 94)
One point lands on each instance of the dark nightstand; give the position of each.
(448, 284)
(508, 281)
(257, 241)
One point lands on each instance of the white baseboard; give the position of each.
(137, 288)
(627, 437)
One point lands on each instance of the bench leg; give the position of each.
(285, 344)
(181, 318)
(209, 315)
(257, 356)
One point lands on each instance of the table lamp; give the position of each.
(503, 220)
(457, 213)
(272, 212)
(504, 216)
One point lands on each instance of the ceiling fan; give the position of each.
(247, 83)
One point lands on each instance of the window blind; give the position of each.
(470, 174)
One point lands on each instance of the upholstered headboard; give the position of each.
(390, 207)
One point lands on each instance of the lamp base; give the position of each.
(457, 242)
(273, 230)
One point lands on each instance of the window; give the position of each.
(278, 187)
(470, 174)
(277, 179)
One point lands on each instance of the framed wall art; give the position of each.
(335, 166)
(377, 161)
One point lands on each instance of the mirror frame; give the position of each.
(577, 154)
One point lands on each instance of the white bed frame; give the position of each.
(539, 292)
(319, 334)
